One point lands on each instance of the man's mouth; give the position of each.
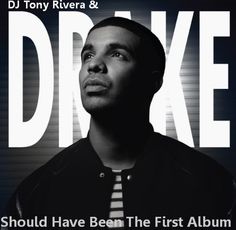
(91, 89)
(95, 86)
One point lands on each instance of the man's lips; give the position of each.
(95, 85)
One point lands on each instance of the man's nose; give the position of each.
(97, 65)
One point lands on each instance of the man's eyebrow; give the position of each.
(111, 46)
(117, 45)
(87, 47)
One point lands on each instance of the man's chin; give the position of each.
(101, 105)
(97, 108)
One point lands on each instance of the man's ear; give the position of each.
(157, 79)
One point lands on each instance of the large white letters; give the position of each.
(70, 22)
(23, 134)
(158, 105)
(212, 76)
(172, 83)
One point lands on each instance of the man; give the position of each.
(123, 169)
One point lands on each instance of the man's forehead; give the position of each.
(112, 34)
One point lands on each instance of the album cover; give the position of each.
(41, 110)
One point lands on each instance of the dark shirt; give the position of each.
(169, 179)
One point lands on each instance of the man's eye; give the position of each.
(118, 55)
(87, 56)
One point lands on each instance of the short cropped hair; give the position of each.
(150, 45)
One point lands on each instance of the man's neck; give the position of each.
(117, 141)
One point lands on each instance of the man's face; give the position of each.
(109, 72)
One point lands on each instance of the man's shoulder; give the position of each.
(188, 159)
(57, 164)
(191, 170)
(61, 160)
(40, 179)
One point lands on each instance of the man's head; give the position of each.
(122, 65)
